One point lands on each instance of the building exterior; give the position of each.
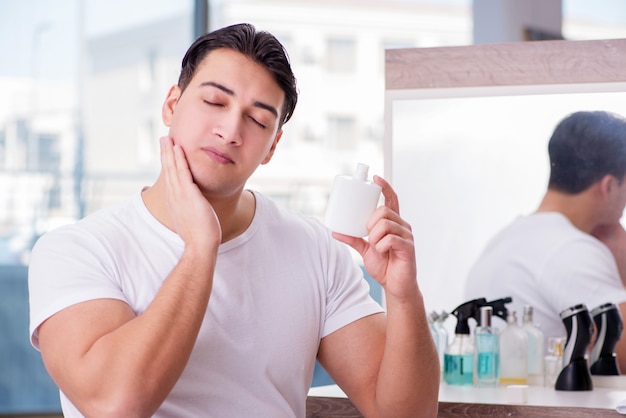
(338, 59)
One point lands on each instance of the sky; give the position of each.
(608, 11)
(43, 34)
(39, 38)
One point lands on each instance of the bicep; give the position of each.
(352, 356)
(67, 336)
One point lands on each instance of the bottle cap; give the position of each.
(602, 308)
(485, 316)
(360, 173)
(528, 313)
(573, 310)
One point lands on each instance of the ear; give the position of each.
(167, 111)
(270, 153)
(608, 184)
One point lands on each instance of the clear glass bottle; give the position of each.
(487, 350)
(458, 361)
(513, 353)
(553, 361)
(535, 347)
(442, 334)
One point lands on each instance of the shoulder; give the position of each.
(550, 229)
(90, 233)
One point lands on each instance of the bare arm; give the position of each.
(110, 362)
(614, 237)
(387, 363)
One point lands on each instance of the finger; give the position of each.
(384, 218)
(167, 160)
(359, 244)
(182, 166)
(166, 151)
(391, 198)
(390, 227)
(168, 163)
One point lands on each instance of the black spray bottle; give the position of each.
(609, 328)
(579, 326)
(458, 361)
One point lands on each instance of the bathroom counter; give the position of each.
(600, 397)
(469, 401)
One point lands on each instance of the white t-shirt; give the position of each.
(544, 261)
(278, 289)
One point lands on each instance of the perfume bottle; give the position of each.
(442, 334)
(535, 347)
(553, 361)
(433, 328)
(487, 350)
(352, 201)
(513, 353)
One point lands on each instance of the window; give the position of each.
(341, 56)
(342, 133)
(3, 145)
(48, 155)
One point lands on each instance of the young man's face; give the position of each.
(226, 120)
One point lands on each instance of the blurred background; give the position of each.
(82, 83)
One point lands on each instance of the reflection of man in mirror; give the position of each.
(550, 259)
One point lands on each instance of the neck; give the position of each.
(235, 212)
(578, 208)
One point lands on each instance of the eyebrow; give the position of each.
(230, 92)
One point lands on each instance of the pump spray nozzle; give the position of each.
(464, 312)
(499, 308)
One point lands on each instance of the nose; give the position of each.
(228, 128)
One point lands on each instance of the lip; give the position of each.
(218, 156)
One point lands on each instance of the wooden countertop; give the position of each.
(468, 401)
(327, 407)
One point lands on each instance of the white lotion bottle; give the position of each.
(352, 201)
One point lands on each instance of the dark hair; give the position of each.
(584, 147)
(260, 46)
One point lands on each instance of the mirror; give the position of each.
(466, 140)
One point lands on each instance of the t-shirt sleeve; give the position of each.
(583, 272)
(67, 266)
(348, 297)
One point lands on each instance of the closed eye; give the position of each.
(213, 103)
(259, 124)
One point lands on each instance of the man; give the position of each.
(549, 259)
(199, 298)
